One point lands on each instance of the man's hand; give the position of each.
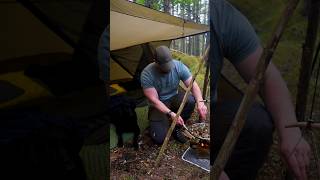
(152, 95)
(196, 92)
(202, 109)
(179, 120)
(275, 93)
(223, 176)
(296, 152)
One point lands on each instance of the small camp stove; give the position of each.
(201, 147)
(198, 154)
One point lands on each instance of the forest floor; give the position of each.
(126, 163)
(129, 164)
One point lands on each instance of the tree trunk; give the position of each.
(151, 4)
(305, 7)
(306, 61)
(182, 15)
(189, 15)
(208, 23)
(196, 16)
(173, 43)
(166, 6)
(172, 8)
(148, 3)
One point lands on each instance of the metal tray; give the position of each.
(190, 156)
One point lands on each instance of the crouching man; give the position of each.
(160, 83)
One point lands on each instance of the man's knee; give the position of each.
(158, 139)
(158, 132)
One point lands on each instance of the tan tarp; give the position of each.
(130, 58)
(133, 24)
(117, 72)
(22, 34)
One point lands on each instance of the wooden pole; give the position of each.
(306, 60)
(206, 81)
(251, 92)
(304, 125)
(174, 121)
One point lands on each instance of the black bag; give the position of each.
(35, 145)
(124, 117)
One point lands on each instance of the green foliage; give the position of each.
(192, 62)
(140, 2)
(155, 4)
(264, 15)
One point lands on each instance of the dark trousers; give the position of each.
(253, 143)
(159, 122)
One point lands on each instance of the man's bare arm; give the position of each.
(153, 97)
(196, 92)
(278, 101)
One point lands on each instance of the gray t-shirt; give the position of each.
(166, 84)
(232, 37)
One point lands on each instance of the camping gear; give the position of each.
(124, 117)
(200, 145)
(191, 156)
(183, 103)
(131, 49)
(190, 133)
